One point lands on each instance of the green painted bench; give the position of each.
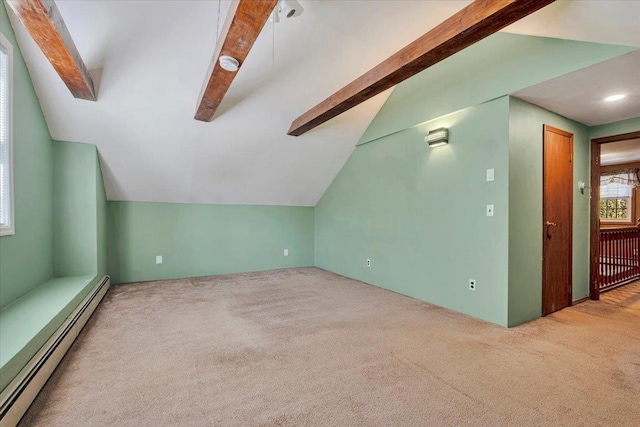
(27, 323)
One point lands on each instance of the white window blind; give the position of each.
(6, 185)
(616, 196)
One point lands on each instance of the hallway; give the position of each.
(626, 297)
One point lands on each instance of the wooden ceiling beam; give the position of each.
(244, 22)
(478, 20)
(44, 23)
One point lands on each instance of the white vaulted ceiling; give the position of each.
(149, 60)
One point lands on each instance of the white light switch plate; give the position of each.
(489, 210)
(491, 175)
(158, 259)
(286, 252)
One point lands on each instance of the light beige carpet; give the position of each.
(305, 347)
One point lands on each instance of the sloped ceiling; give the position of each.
(149, 59)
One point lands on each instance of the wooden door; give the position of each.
(557, 220)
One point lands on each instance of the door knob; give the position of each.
(551, 224)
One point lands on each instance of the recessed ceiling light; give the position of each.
(614, 98)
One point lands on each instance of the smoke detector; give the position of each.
(229, 63)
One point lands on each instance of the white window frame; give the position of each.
(9, 229)
(630, 210)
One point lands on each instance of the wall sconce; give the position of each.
(437, 137)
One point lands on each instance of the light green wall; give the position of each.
(419, 214)
(616, 128)
(75, 246)
(33, 304)
(79, 258)
(101, 220)
(498, 65)
(200, 240)
(525, 208)
(26, 258)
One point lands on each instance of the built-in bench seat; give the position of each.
(27, 323)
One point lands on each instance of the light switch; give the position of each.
(158, 259)
(489, 210)
(490, 175)
(286, 252)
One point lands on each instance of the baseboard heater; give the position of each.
(21, 392)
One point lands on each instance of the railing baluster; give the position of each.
(601, 260)
(629, 251)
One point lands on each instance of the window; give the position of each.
(6, 141)
(616, 196)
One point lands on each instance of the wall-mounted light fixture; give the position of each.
(437, 137)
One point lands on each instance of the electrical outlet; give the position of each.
(368, 263)
(472, 284)
(490, 210)
(158, 259)
(286, 252)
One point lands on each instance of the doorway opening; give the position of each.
(615, 213)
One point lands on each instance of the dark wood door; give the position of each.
(557, 221)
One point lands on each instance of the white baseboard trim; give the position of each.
(21, 392)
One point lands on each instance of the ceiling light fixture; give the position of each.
(615, 98)
(229, 63)
(291, 8)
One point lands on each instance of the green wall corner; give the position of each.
(525, 208)
(75, 209)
